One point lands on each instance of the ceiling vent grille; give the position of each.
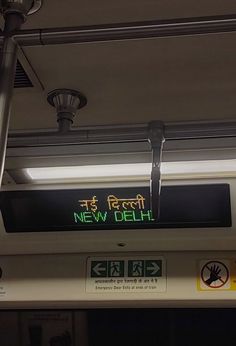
(21, 78)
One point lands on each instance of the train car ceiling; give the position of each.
(132, 202)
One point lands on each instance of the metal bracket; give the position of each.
(156, 139)
(21, 7)
(67, 102)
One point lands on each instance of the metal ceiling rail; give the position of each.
(122, 133)
(127, 31)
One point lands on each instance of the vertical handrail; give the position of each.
(7, 74)
(14, 13)
(156, 139)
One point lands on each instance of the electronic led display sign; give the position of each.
(115, 208)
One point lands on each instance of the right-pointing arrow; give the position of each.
(154, 268)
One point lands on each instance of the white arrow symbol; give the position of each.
(154, 268)
(98, 269)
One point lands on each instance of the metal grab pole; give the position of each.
(127, 31)
(7, 74)
(14, 13)
(13, 22)
(156, 139)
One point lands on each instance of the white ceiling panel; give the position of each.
(171, 79)
(89, 12)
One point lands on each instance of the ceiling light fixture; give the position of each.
(132, 172)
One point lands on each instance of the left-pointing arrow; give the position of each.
(98, 269)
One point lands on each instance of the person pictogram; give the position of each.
(137, 268)
(115, 268)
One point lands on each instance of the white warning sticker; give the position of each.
(216, 275)
(126, 274)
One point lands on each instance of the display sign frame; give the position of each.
(181, 206)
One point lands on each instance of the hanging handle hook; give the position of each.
(156, 139)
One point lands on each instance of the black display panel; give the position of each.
(115, 208)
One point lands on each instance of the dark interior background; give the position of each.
(162, 327)
(119, 327)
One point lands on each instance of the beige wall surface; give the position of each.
(65, 281)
